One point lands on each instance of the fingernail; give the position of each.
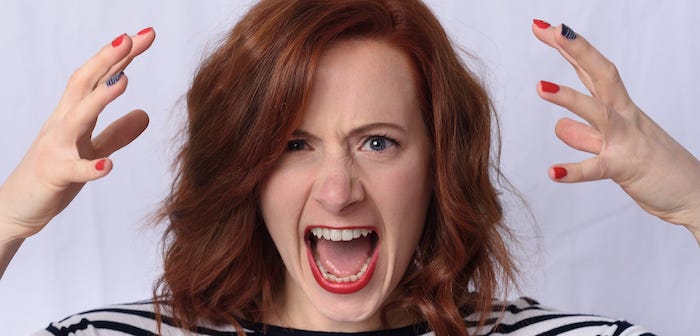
(114, 79)
(100, 165)
(559, 173)
(117, 41)
(549, 87)
(567, 32)
(541, 24)
(145, 31)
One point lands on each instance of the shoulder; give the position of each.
(526, 316)
(137, 318)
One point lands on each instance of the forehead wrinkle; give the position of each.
(360, 85)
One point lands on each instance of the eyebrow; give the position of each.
(299, 133)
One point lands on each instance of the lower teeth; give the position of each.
(351, 278)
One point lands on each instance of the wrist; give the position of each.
(7, 252)
(696, 234)
(7, 234)
(13, 226)
(692, 222)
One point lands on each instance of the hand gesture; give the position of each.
(65, 155)
(629, 147)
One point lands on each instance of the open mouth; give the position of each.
(342, 260)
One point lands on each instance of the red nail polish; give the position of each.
(145, 31)
(559, 173)
(100, 165)
(549, 87)
(541, 24)
(117, 41)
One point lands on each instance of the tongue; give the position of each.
(343, 258)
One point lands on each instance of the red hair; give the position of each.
(220, 264)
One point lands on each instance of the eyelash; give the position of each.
(391, 141)
(295, 144)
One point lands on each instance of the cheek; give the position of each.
(403, 194)
(281, 202)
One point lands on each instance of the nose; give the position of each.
(336, 187)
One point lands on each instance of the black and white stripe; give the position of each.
(518, 318)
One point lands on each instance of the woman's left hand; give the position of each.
(629, 147)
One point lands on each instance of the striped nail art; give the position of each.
(114, 79)
(567, 32)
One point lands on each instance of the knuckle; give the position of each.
(611, 72)
(601, 169)
(79, 79)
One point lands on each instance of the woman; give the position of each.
(354, 164)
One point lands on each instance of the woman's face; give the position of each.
(347, 202)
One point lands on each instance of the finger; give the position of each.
(547, 34)
(604, 76)
(592, 169)
(84, 80)
(140, 43)
(81, 119)
(579, 136)
(584, 106)
(82, 171)
(120, 133)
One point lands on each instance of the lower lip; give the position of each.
(342, 287)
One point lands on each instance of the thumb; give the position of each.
(592, 169)
(82, 171)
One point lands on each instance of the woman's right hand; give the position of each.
(65, 155)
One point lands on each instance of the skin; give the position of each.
(65, 153)
(627, 147)
(363, 92)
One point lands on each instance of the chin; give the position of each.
(350, 312)
(361, 310)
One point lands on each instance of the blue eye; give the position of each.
(378, 143)
(296, 145)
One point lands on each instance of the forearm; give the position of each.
(10, 241)
(692, 220)
(8, 248)
(694, 226)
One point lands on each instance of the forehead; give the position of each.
(366, 79)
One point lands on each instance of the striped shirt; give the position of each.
(517, 318)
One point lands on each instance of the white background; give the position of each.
(588, 249)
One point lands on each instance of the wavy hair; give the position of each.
(220, 264)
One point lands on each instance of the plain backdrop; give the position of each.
(586, 247)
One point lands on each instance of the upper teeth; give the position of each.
(339, 234)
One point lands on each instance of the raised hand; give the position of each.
(65, 155)
(629, 147)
